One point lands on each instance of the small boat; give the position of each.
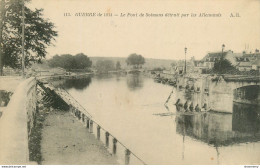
(172, 83)
(164, 80)
(158, 79)
(190, 113)
(164, 114)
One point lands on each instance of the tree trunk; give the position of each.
(2, 15)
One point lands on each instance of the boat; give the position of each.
(190, 113)
(164, 80)
(158, 79)
(172, 83)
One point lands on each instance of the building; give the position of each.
(256, 65)
(244, 66)
(209, 60)
(248, 61)
(180, 67)
(251, 56)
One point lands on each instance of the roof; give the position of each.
(256, 62)
(252, 55)
(212, 55)
(216, 54)
(245, 64)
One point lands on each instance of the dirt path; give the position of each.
(66, 141)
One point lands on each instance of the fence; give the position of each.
(16, 123)
(114, 146)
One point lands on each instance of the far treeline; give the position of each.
(70, 62)
(82, 62)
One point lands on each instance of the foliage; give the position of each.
(135, 60)
(158, 69)
(103, 66)
(118, 65)
(39, 34)
(222, 66)
(173, 64)
(68, 62)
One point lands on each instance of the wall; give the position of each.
(15, 123)
(218, 95)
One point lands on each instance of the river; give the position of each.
(132, 109)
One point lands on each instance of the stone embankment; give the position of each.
(20, 132)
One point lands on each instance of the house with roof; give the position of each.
(248, 61)
(180, 67)
(251, 56)
(212, 57)
(244, 66)
(256, 65)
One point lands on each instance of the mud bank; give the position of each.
(66, 141)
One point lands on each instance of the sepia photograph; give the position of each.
(133, 82)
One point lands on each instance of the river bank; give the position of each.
(66, 141)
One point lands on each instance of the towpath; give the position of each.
(66, 141)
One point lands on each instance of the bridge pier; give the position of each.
(216, 93)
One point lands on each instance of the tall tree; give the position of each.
(68, 62)
(82, 61)
(222, 66)
(39, 33)
(118, 65)
(135, 60)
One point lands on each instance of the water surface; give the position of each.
(129, 107)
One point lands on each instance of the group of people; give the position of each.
(189, 107)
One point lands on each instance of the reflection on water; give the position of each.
(134, 81)
(222, 129)
(79, 84)
(125, 106)
(246, 118)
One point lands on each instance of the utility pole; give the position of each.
(23, 64)
(223, 47)
(185, 69)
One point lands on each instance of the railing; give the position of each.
(16, 123)
(114, 146)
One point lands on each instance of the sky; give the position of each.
(152, 37)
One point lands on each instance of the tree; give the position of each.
(82, 61)
(118, 65)
(222, 66)
(103, 66)
(68, 62)
(39, 34)
(135, 60)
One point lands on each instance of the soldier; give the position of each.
(205, 107)
(191, 107)
(197, 108)
(186, 105)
